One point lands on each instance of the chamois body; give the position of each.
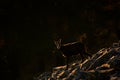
(71, 49)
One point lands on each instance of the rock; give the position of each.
(104, 65)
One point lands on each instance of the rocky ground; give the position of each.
(104, 65)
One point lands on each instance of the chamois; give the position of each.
(71, 49)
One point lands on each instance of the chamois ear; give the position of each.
(83, 37)
(55, 42)
(59, 41)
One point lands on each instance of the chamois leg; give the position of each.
(67, 60)
(89, 55)
(86, 52)
(82, 57)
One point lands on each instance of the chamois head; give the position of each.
(58, 43)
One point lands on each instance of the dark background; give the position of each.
(28, 30)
